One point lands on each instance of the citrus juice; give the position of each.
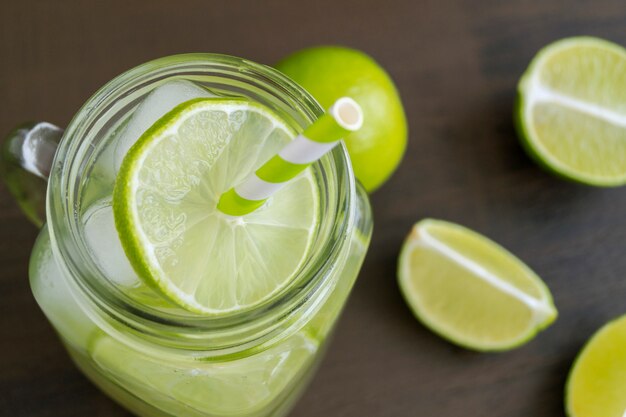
(248, 305)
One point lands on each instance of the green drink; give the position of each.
(253, 343)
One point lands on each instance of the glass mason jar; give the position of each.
(164, 362)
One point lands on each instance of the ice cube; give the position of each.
(161, 100)
(105, 246)
(103, 173)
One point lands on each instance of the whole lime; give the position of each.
(329, 72)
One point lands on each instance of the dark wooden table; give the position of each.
(456, 64)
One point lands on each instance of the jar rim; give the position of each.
(63, 220)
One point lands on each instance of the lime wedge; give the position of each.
(596, 386)
(571, 110)
(469, 289)
(165, 212)
(235, 387)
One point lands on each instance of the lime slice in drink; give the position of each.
(235, 387)
(571, 110)
(470, 290)
(165, 201)
(596, 386)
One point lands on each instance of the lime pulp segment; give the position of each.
(596, 386)
(165, 202)
(572, 110)
(470, 290)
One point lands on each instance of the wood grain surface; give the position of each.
(456, 64)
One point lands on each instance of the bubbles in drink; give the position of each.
(100, 232)
(99, 226)
(160, 101)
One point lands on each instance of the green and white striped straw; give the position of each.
(343, 117)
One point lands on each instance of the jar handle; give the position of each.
(25, 163)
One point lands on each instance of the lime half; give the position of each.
(470, 290)
(572, 110)
(596, 386)
(165, 211)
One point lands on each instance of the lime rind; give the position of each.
(135, 241)
(544, 312)
(122, 206)
(524, 105)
